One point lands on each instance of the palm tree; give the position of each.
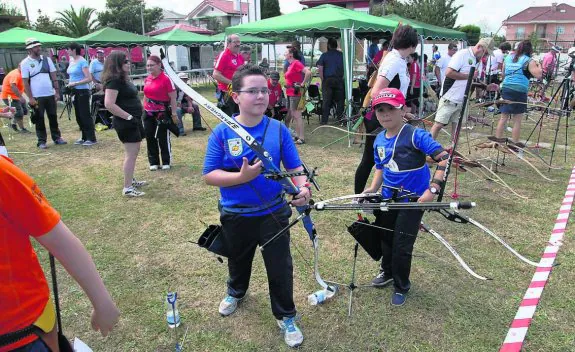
(78, 23)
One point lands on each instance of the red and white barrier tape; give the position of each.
(518, 330)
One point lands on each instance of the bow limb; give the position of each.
(537, 156)
(498, 239)
(453, 252)
(500, 181)
(343, 130)
(530, 164)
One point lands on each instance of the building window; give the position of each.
(177, 21)
(560, 30)
(520, 34)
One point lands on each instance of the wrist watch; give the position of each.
(433, 189)
(129, 117)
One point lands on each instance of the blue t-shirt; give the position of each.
(332, 62)
(372, 50)
(226, 149)
(76, 73)
(416, 180)
(96, 68)
(515, 79)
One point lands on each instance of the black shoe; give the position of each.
(199, 129)
(14, 127)
(381, 280)
(498, 140)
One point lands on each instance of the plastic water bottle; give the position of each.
(491, 109)
(172, 313)
(320, 296)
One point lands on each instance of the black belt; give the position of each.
(15, 336)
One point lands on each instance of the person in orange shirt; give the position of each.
(12, 90)
(27, 320)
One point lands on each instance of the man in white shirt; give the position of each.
(41, 86)
(442, 64)
(495, 63)
(454, 83)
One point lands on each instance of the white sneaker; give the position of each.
(154, 167)
(136, 183)
(79, 141)
(132, 192)
(292, 334)
(228, 305)
(166, 167)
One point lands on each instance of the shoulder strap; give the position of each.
(45, 67)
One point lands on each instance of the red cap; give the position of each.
(390, 96)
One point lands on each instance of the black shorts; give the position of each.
(129, 131)
(413, 98)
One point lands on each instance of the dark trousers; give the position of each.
(157, 138)
(332, 91)
(242, 235)
(81, 103)
(228, 105)
(367, 160)
(48, 105)
(397, 245)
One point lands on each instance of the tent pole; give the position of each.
(275, 58)
(421, 72)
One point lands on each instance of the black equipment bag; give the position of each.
(367, 236)
(212, 240)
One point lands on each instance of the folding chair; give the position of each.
(314, 97)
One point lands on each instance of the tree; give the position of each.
(441, 13)
(7, 9)
(125, 15)
(45, 24)
(77, 24)
(534, 39)
(473, 33)
(377, 7)
(270, 8)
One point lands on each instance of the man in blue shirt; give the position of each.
(400, 151)
(96, 68)
(252, 207)
(330, 68)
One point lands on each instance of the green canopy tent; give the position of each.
(323, 20)
(185, 38)
(107, 36)
(14, 38)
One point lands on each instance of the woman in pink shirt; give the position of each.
(296, 77)
(414, 82)
(159, 114)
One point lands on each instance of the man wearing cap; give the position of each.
(227, 64)
(41, 86)
(330, 68)
(187, 106)
(453, 87)
(400, 152)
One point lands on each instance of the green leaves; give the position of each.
(77, 24)
(126, 15)
(441, 13)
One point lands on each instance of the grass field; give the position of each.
(141, 248)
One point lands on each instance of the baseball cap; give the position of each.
(183, 75)
(274, 75)
(32, 43)
(556, 48)
(390, 96)
(99, 51)
(487, 43)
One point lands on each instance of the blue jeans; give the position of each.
(197, 118)
(35, 346)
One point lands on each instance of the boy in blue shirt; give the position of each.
(252, 207)
(399, 153)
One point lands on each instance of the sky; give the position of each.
(487, 14)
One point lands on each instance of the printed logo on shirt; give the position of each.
(381, 152)
(470, 61)
(235, 146)
(392, 165)
(234, 61)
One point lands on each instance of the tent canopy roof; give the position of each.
(114, 37)
(324, 19)
(181, 37)
(428, 30)
(246, 39)
(16, 37)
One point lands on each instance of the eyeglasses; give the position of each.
(255, 91)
